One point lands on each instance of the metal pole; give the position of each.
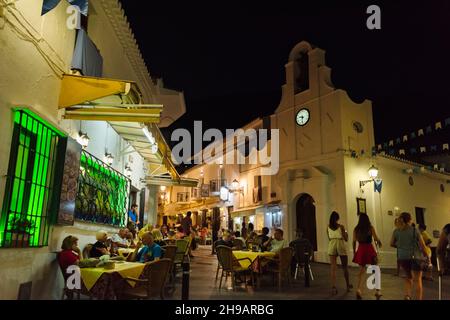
(185, 280)
(307, 269)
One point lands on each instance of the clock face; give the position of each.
(302, 117)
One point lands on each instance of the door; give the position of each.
(306, 218)
(420, 215)
(142, 206)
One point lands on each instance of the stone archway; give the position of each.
(306, 218)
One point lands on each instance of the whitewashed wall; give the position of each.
(26, 79)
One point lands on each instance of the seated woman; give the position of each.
(70, 254)
(100, 248)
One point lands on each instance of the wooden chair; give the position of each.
(87, 251)
(151, 283)
(282, 265)
(230, 265)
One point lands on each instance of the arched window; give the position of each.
(301, 72)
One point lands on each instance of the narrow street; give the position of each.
(204, 287)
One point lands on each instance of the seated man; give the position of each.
(100, 248)
(277, 243)
(237, 236)
(263, 238)
(225, 241)
(121, 239)
(149, 252)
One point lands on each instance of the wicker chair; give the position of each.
(219, 266)
(170, 253)
(230, 265)
(152, 281)
(182, 250)
(282, 265)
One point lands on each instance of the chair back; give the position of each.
(300, 250)
(182, 249)
(238, 244)
(156, 272)
(170, 252)
(285, 256)
(87, 251)
(225, 257)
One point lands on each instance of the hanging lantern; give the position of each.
(83, 139)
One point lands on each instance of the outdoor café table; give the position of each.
(104, 283)
(125, 252)
(253, 256)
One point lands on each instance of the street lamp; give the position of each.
(373, 174)
(236, 186)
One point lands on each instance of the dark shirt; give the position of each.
(261, 240)
(224, 243)
(186, 224)
(95, 253)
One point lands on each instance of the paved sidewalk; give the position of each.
(203, 285)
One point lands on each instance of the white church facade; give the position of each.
(325, 152)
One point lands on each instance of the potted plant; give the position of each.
(21, 230)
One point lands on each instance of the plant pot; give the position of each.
(19, 240)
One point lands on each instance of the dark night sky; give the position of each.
(229, 61)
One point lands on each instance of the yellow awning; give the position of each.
(246, 211)
(101, 99)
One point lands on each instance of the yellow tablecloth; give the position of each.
(238, 254)
(125, 269)
(124, 252)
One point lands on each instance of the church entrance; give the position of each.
(306, 218)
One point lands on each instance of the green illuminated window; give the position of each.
(102, 193)
(32, 186)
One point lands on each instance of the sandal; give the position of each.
(378, 295)
(358, 295)
(334, 291)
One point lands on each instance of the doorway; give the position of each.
(306, 218)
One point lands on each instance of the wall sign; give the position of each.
(69, 187)
(361, 206)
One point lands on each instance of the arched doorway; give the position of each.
(306, 218)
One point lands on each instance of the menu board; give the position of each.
(69, 188)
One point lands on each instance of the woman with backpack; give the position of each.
(364, 234)
(412, 255)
